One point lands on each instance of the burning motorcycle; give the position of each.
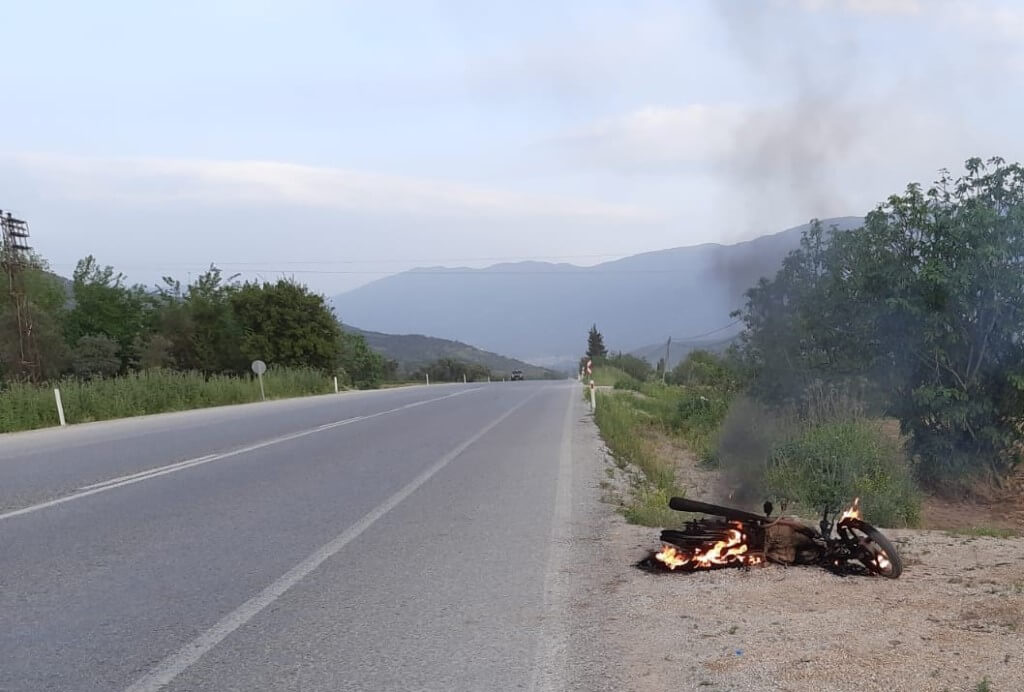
(842, 542)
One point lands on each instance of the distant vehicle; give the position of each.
(517, 375)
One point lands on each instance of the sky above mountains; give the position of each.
(339, 141)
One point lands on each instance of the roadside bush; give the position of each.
(829, 464)
(703, 368)
(628, 383)
(23, 406)
(637, 368)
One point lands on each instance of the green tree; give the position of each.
(706, 369)
(363, 367)
(47, 300)
(199, 325)
(595, 344)
(95, 355)
(452, 370)
(105, 305)
(927, 299)
(284, 323)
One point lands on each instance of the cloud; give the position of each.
(661, 138)
(864, 6)
(155, 181)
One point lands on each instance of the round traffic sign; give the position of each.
(259, 367)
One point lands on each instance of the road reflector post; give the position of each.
(60, 407)
(463, 378)
(335, 384)
(593, 396)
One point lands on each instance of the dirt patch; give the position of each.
(953, 619)
(971, 516)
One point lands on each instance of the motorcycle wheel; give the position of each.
(879, 554)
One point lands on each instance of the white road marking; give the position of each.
(122, 481)
(175, 664)
(549, 671)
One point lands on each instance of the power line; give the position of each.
(713, 331)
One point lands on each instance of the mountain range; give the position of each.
(540, 312)
(414, 350)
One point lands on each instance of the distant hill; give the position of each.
(540, 312)
(413, 350)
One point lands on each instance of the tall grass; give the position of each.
(607, 375)
(621, 424)
(822, 452)
(24, 407)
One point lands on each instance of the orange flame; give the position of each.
(853, 512)
(733, 550)
(671, 557)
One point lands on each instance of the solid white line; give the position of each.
(549, 671)
(175, 664)
(122, 481)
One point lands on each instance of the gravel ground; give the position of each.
(954, 618)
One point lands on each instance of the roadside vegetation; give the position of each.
(882, 363)
(116, 350)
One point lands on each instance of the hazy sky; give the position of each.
(342, 140)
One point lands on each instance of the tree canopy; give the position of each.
(595, 344)
(924, 303)
(102, 326)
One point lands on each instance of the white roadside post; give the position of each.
(60, 407)
(463, 378)
(335, 384)
(259, 367)
(593, 396)
(428, 377)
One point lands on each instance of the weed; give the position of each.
(23, 406)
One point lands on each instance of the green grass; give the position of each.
(622, 425)
(984, 685)
(828, 464)
(24, 407)
(606, 376)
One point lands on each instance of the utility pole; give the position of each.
(14, 259)
(664, 370)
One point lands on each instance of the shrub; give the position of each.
(829, 464)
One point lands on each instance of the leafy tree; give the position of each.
(927, 299)
(200, 325)
(105, 305)
(47, 299)
(595, 344)
(452, 370)
(703, 368)
(285, 324)
(363, 367)
(155, 351)
(96, 355)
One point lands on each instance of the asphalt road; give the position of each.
(393, 540)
